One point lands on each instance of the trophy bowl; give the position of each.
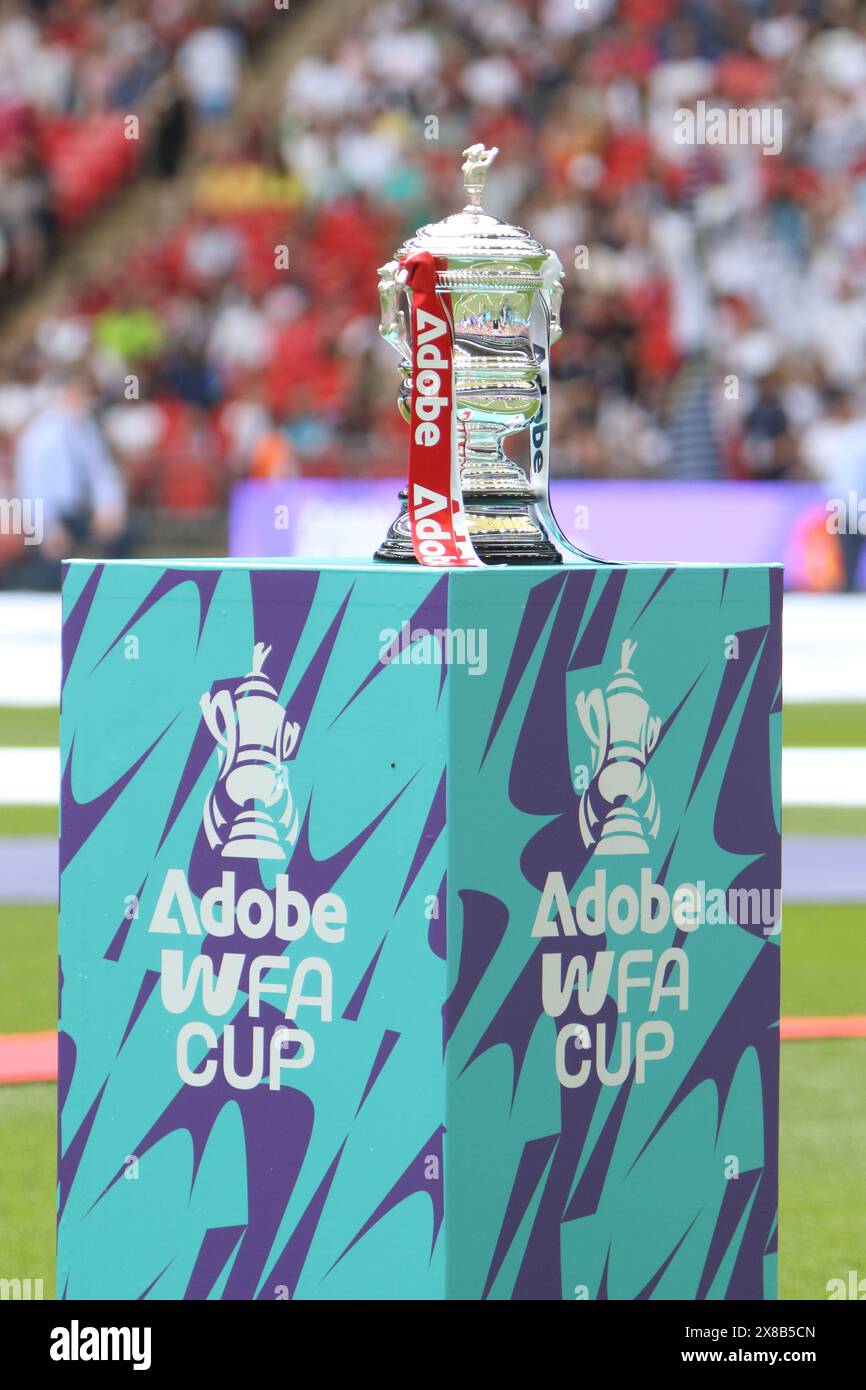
(254, 739)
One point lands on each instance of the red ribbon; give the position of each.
(439, 531)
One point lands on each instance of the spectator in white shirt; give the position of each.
(209, 63)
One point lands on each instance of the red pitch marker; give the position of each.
(850, 1026)
(28, 1057)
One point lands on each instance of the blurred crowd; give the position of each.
(715, 308)
(72, 74)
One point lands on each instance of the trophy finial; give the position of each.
(477, 160)
(260, 655)
(628, 651)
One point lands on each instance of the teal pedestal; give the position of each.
(419, 932)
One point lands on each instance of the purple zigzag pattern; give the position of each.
(437, 934)
(118, 941)
(543, 739)
(742, 1024)
(352, 1010)
(276, 1126)
(66, 1054)
(215, 1249)
(745, 821)
(146, 989)
(587, 1193)
(205, 582)
(649, 1288)
(69, 1160)
(591, 648)
(386, 1047)
(281, 603)
(734, 678)
(300, 703)
(533, 1161)
(77, 619)
(667, 724)
(539, 606)
(737, 1197)
(287, 1270)
(430, 613)
(153, 1283)
(485, 919)
(665, 579)
(200, 753)
(747, 1278)
(603, 1294)
(413, 1179)
(80, 818)
(539, 1276)
(433, 827)
(303, 862)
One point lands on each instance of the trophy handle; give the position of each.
(653, 729)
(288, 739)
(393, 326)
(552, 274)
(592, 713)
(214, 706)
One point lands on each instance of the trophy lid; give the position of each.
(473, 234)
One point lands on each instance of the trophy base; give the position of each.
(503, 531)
(622, 833)
(253, 836)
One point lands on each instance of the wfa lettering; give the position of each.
(77, 1343)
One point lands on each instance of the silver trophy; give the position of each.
(254, 739)
(504, 291)
(621, 799)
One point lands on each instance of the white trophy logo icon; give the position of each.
(254, 740)
(622, 733)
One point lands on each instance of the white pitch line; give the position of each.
(29, 776)
(824, 647)
(810, 776)
(824, 776)
(30, 649)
